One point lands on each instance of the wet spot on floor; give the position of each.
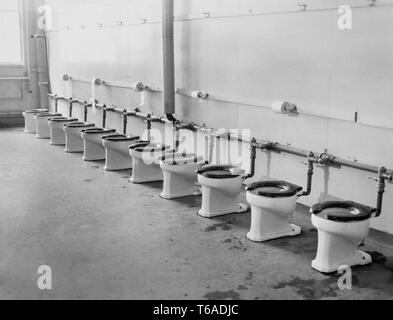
(226, 226)
(312, 289)
(219, 295)
(190, 202)
(249, 276)
(377, 276)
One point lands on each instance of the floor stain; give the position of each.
(190, 202)
(219, 295)
(242, 287)
(88, 180)
(377, 276)
(312, 289)
(95, 167)
(226, 226)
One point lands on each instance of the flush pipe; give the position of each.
(56, 98)
(383, 175)
(169, 58)
(269, 146)
(71, 102)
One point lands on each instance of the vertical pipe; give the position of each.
(85, 110)
(148, 127)
(169, 57)
(104, 111)
(125, 121)
(56, 104)
(71, 101)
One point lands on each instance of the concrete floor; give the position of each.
(105, 238)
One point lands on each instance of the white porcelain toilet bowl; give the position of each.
(272, 206)
(179, 173)
(145, 163)
(74, 142)
(30, 123)
(342, 227)
(42, 125)
(57, 136)
(93, 150)
(117, 151)
(221, 187)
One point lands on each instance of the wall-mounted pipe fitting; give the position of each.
(382, 178)
(38, 36)
(311, 159)
(98, 81)
(66, 77)
(139, 86)
(199, 95)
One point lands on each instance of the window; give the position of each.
(10, 33)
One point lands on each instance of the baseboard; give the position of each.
(11, 119)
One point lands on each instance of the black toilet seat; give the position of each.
(79, 125)
(346, 211)
(64, 120)
(274, 189)
(147, 146)
(47, 114)
(98, 131)
(120, 138)
(37, 111)
(218, 172)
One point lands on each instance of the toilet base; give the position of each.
(360, 259)
(145, 173)
(293, 231)
(197, 192)
(240, 208)
(146, 180)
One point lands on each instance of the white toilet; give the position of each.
(342, 227)
(179, 173)
(221, 187)
(57, 136)
(272, 206)
(117, 151)
(145, 163)
(42, 124)
(74, 142)
(30, 123)
(92, 143)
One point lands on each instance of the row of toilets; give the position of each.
(342, 226)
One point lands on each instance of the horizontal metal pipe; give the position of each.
(352, 164)
(276, 147)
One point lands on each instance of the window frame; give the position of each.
(12, 68)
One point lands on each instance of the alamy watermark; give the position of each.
(44, 281)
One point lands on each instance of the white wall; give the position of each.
(281, 53)
(19, 95)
